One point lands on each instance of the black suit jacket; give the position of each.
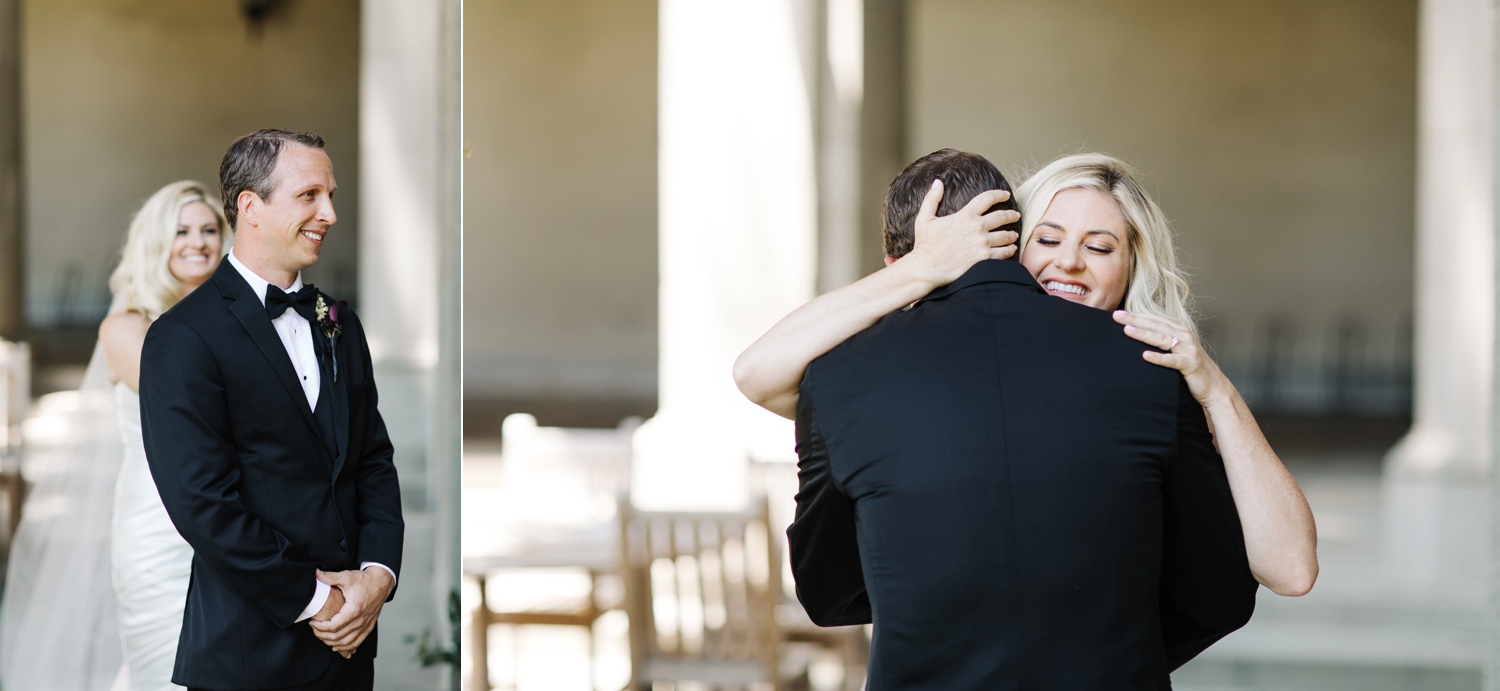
(1015, 498)
(247, 477)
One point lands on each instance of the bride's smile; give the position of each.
(1078, 250)
(196, 247)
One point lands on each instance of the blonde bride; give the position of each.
(98, 576)
(175, 243)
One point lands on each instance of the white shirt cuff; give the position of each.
(367, 564)
(320, 598)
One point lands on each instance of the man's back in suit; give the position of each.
(997, 478)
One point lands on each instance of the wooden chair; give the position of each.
(778, 482)
(701, 590)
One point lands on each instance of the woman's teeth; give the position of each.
(316, 237)
(1067, 288)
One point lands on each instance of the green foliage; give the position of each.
(428, 654)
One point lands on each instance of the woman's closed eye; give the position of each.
(1054, 242)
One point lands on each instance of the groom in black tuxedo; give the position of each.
(1015, 498)
(258, 410)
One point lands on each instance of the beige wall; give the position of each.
(560, 201)
(1279, 136)
(123, 96)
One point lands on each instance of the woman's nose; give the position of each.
(1069, 259)
(196, 240)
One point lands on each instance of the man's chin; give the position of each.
(309, 257)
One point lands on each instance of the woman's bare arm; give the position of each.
(1281, 539)
(770, 370)
(123, 334)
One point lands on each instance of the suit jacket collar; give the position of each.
(251, 313)
(988, 271)
(231, 284)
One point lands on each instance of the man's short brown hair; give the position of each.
(250, 162)
(964, 177)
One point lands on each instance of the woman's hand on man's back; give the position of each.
(1184, 354)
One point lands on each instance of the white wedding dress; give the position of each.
(152, 563)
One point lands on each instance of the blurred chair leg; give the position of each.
(14, 486)
(856, 659)
(593, 614)
(479, 642)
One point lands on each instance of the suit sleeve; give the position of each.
(822, 541)
(185, 425)
(1207, 589)
(381, 528)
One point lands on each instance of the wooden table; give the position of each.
(594, 548)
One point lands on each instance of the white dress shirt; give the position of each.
(294, 331)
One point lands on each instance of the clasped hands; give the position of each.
(353, 606)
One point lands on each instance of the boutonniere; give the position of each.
(328, 321)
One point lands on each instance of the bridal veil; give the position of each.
(58, 616)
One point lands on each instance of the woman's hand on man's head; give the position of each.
(947, 246)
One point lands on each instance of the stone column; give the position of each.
(12, 318)
(882, 127)
(409, 154)
(840, 92)
(861, 134)
(737, 240)
(1492, 620)
(445, 446)
(1434, 506)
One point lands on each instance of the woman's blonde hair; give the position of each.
(143, 283)
(1157, 285)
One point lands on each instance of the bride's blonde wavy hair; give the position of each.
(143, 283)
(1158, 286)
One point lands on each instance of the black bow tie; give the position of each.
(304, 302)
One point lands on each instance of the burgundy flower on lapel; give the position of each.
(328, 321)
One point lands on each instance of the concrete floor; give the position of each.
(1355, 630)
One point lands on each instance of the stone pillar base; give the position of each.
(1434, 524)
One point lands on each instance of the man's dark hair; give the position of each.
(964, 177)
(250, 162)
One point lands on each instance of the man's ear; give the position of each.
(249, 207)
(890, 260)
